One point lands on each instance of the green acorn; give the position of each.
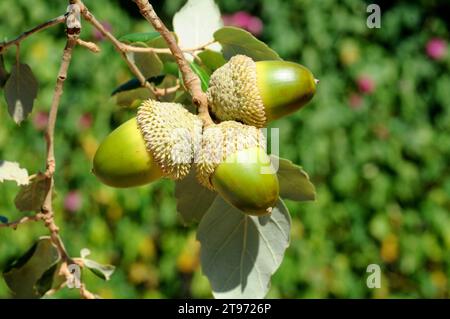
(159, 142)
(232, 161)
(255, 93)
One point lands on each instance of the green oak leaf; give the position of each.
(212, 59)
(294, 181)
(202, 74)
(21, 90)
(24, 276)
(238, 41)
(240, 253)
(32, 196)
(148, 63)
(139, 37)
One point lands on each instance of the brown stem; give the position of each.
(47, 206)
(88, 16)
(169, 90)
(86, 294)
(62, 75)
(190, 79)
(131, 48)
(40, 27)
(21, 221)
(52, 291)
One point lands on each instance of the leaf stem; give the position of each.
(168, 90)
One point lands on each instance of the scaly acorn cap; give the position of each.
(171, 134)
(221, 140)
(233, 92)
(233, 161)
(255, 93)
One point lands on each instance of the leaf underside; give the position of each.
(102, 271)
(240, 253)
(11, 171)
(196, 22)
(193, 200)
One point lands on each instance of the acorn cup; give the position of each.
(233, 162)
(159, 142)
(255, 93)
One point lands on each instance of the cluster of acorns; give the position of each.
(229, 157)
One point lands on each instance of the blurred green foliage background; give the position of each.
(375, 141)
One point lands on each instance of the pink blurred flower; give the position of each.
(355, 100)
(40, 120)
(241, 19)
(255, 26)
(73, 201)
(436, 48)
(97, 34)
(244, 20)
(85, 121)
(365, 84)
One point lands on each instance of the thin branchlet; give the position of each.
(73, 28)
(26, 34)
